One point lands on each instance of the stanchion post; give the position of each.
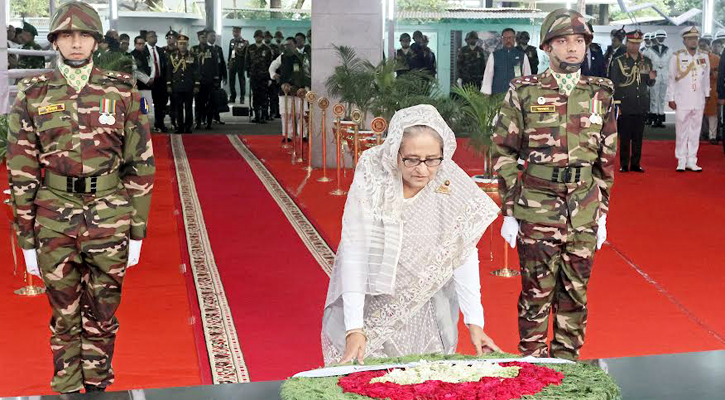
(338, 110)
(323, 103)
(285, 128)
(310, 97)
(301, 129)
(356, 118)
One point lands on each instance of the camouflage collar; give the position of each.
(548, 81)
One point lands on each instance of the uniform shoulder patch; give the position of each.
(526, 81)
(603, 82)
(119, 77)
(27, 83)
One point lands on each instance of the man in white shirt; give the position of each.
(504, 65)
(687, 87)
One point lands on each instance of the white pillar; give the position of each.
(4, 106)
(708, 13)
(353, 23)
(112, 14)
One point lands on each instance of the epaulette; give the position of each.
(28, 83)
(603, 82)
(525, 81)
(119, 76)
(679, 51)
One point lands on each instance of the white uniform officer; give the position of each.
(660, 56)
(687, 87)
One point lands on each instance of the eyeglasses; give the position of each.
(429, 162)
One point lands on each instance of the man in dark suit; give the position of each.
(158, 61)
(594, 62)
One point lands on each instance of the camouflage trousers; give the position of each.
(555, 268)
(83, 277)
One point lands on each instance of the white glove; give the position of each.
(134, 252)
(601, 231)
(31, 262)
(459, 81)
(510, 230)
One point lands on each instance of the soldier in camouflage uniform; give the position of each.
(272, 87)
(81, 171)
(259, 58)
(522, 43)
(562, 126)
(471, 61)
(30, 62)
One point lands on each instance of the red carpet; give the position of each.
(156, 344)
(274, 287)
(653, 223)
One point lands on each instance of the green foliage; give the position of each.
(479, 113)
(376, 88)
(30, 8)
(669, 7)
(3, 136)
(423, 5)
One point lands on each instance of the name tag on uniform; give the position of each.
(543, 109)
(51, 109)
(701, 61)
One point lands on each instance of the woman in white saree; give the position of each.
(407, 256)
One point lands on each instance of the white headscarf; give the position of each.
(456, 213)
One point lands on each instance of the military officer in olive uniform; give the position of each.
(632, 75)
(471, 61)
(183, 69)
(236, 64)
(522, 43)
(562, 125)
(81, 171)
(28, 35)
(259, 58)
(404, 55)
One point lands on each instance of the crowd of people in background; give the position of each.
(178, 79)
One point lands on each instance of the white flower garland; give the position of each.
(447, 372)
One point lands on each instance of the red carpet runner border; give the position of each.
(304, 228)
(225, 354)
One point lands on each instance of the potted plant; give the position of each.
(351, 82)
(479, 113)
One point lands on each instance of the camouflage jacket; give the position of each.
(53, 128)
(471, 64)
(259, 58)
(31, 62)
(541, 126)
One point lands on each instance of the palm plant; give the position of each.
(351, 82)
(3, 136)
(479, 113)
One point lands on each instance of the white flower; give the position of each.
(457, 372)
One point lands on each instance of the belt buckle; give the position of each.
(75, 184)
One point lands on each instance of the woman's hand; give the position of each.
(354, 348)
(481, 341)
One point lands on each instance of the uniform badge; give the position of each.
(51, 109)
(543, 109)
(541, 100)
(144, 106)
(108, 109)
(597, 109)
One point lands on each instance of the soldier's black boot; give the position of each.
(257, 115)
(265, 117)
(90, 389)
